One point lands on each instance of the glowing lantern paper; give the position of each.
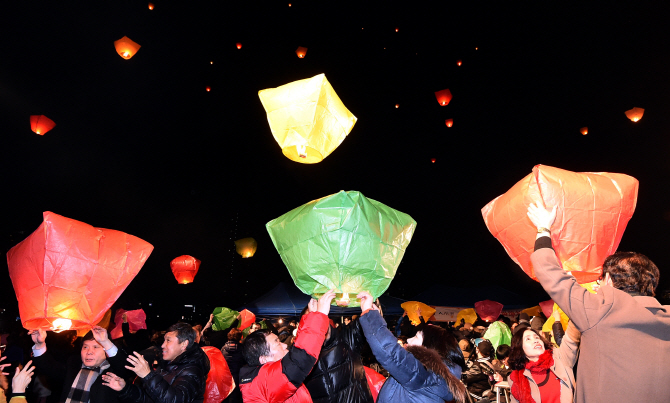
(246, 247)
(459, 62)
(593, 210)
(301, 52)
(443, 97)
(239, 45)
(126, 48)
(185, 268)
(433, 160)
(397, 106)
(635, 114)
(307, 118)
(247, 318)
(449, 122)
(220, 382)
(70, 273)
(223, 318)
(488, 310)
(547, 307)
(343, 241)
(413, 307)
(498, 333)
(468, 315)
(584, 130)
(208, 88)
(104, 322)
(151, 6)
(375, 381)
(550, 319)
(137, 320)
(41, 124)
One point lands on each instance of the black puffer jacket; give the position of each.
(339, 375)
(182, 380)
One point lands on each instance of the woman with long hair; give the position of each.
(428, 370)
(540, 373)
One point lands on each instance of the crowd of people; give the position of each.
(613, 350)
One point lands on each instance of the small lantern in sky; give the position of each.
(246, 247)
(635, 114)
(397, 106)
(301, 52)
(584, 130)
(443, 97)
(41, 124)
(307, 118)
(151, 6)
(488, 310)
(432, 160)
(208, 88)
(185, 268)
(126, 48)
(459, 62)
(396, 30)
(449, 122)
(239, 45)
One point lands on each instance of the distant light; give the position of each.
(459, 62)
(188, 306)
(289, 4)
(151, 6)
(476, 48)
(584, 130)
(397, 106)
(449, 122)
(396, 30)
(208, 89)
(280, 321)
(239, 45)
(149, 303)
(432, 160)
(212, 62)
(61, 324)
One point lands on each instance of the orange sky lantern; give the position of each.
(635, 114)
(41, 124)
(208, 88)
(126, 48)
(459, 62)
(239, 45)
(443, 97)
(246, 247)
(584, 130)
(449, 122)
(432, 160)
(185, 268)
(397, 106)
(151, 6)
(301, 52)
(396, 30)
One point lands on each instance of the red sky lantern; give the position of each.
(126, 48)
(239, 45)
(432, 160)
(41, 124)
(137, 320)
(443, 97)
(397, 106)
(220, 382)
(208, 88)
(459, 62)
(247, 318)
(635, 114)
(547, 307)
(488, 310)
(301, 52)
(449, 122)
(584, 130)
(396, 30)
(151, 6)
(67, 273)
(185, 268)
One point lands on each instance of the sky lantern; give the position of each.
(345, 242)
(41, 124)
(247, 318)
(397, 106)
(635, 114)
(185, 268)
(246, 247)
(432, 160)
(468, 315)
(208, 88)
(449, 122)
(593, 211)
(151, 6)
(498, 333)
(219, 383)
(443, 97)
(67, 273)
(307, 118)
(396, 30)
(126, 48)
(301, 52)
(459, 62)
(414, 307)
(488, 310)
(239, 45)
(137, 320)
(584, 131)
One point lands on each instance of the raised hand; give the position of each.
(100, 335)
(22, 378)
(540, 216)
(2, 367)
(366, 301)
(312, 305)
(323, 305)
(113, 381)
(139, 365)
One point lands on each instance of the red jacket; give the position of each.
(282, 381)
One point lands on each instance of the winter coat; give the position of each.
(624, 347)
(564, 361)
(181, 380)
(282, 381)
(477, 380)
(339, 375)
(410, 381)
(232, 352)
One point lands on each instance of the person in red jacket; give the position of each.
(275, 373)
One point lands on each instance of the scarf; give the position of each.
(81, 387)
(521, 387)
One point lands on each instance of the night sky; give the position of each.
(140, 146)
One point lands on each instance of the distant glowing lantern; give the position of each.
(397, 106)
(443, 97)
(239, 45)
(185, 268)
(289, 4)
(208, 88)
(151, 6)
(449, 122)
(67, 273)
(459, 62)
(126, 48)
(41, 124)
(488, 310)
(212, 62)
(396, 30)
(635, 114)
(246, 247)
(584, 130)
(476, 48)
(301, 52)
(432, 160)
(307, 118)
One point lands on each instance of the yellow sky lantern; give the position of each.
(126, 48)
(635, 114)
(246, 247)
(584, 130)
(301, 52)
(307, 118)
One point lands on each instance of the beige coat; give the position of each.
(564, 360)
(625, 344)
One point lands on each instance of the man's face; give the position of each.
(92, 353)
(172, 347)
(277, 349)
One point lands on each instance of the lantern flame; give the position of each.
(302, 151)
(584, 130)
(344, 301)
(61, 324)
(459, 62)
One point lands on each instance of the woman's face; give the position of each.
(416, 340)
(533, 346)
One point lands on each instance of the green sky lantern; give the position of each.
(343, 241)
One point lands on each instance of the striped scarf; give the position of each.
(81, 387)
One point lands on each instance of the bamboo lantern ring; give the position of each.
(443, 97)
(246, 247)
(126, 48)
(635, 114)
(307, 118)
(41, 124)
(301, 52)
(584, 130)
(449, 122)
(185, 268)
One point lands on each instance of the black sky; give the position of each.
(141, 147)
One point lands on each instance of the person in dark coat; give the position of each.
(80, 376)
(181, 375)
(232, 352)
(428, 371)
